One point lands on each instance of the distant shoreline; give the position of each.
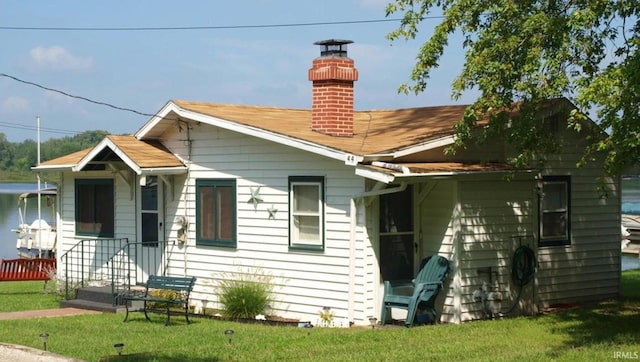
(22, 187)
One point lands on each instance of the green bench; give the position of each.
(181, 285)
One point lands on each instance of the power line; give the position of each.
(77, 97)
(33, 128)
(220, 27)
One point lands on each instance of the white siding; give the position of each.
(125, 215)
(474, 221)
(435, 202)
(496, 218)
(589, 268)
(306, 280)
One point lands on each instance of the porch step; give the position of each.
(95, 294)
(94, 298)
(90, 305)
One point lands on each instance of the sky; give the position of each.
(226, 63)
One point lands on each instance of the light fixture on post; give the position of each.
(308, 327)
(373, 321)
(229, 334)
(44, 337)
(119, 347)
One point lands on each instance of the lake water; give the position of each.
(9, 216)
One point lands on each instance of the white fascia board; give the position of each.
(163, 170)
(102, 145)
(457, 173)
(425, 146)
(159, 116)
(53, 168)
(261, 133)
(379, 176)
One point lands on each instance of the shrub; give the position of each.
(245, 294)
(163, 294)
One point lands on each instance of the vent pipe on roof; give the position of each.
(333, 75)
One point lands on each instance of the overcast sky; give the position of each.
(143, 69)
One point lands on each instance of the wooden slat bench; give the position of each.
(181, 285)
(14, 270)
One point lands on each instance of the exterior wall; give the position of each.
(306, 281)
(125, 212)
(435, 202)
(589, 268)
(496, 217)
(476, 222)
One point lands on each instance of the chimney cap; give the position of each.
(333, 47)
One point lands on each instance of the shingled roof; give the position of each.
(139, 154)
(375, 131)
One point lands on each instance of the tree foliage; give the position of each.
(20, 157)
(530, 51)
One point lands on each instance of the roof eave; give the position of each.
(246, 130)
(177, 170)
(426, 146)
(380, 176)
(53, 168)
(107, 143)
(390, 175)
(157, 118)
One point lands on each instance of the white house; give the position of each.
(331, 201)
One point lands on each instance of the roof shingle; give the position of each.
(375, 131)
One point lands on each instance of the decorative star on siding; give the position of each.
(255, 198)
(272, 212)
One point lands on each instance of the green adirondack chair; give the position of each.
(420, 294)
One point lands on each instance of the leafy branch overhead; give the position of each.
(528, 52)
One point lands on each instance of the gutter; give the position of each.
(392, 166)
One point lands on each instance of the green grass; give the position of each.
(17, 296)
(592, 333)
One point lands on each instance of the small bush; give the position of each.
(164, 294)
(58, 287)
(245, 294)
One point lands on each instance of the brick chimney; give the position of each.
(333, 74)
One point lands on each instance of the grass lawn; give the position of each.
(604, 331)
(16, 296)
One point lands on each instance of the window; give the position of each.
(555, 211)
(306, 212)
(216, 212)
(149, 212)
(95, 207)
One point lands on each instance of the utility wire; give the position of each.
(220, 27)
(76, 97)
(15, 125)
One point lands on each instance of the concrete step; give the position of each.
(91, 305)
(95, 294)
(97, 298)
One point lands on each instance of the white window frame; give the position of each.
(294, 241)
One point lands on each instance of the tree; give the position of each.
(6, 152)
(527, 52)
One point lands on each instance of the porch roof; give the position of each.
(143, 157)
